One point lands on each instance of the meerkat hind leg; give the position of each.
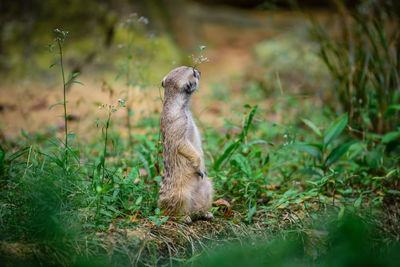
(187, 219)
(201, 215)
(208, 216)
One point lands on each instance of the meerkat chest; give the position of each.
(193, 133)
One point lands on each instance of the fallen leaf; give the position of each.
(223, 202)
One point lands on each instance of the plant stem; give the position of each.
(105, 143)
(128, 83)
(64, 103)
(128, 122)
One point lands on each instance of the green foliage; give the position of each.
(363, 61)
(2, 157)
(347, 242)
(232, 147)
(59, 42)
(319, 150)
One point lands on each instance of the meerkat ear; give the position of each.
(163, 82)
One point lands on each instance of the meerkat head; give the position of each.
(181, 81)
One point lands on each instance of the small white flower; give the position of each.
(99, 107)
(203, 59)
(143, 19)
(202, 47)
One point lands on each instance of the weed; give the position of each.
(134, 73)
(363, 61)
(60, 39)
(318, 151)
(101, 167)
(199, 59)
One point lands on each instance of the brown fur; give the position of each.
(185, 188)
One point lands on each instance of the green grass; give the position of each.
(273, 185)
(361, 53)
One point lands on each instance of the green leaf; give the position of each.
(133, 174)
(163, 220)
(78, 82)
(391, 136)
(226, 154)
(394, 192)
(98, 189)
(24, 133)
(307, 148)
(52, 65)
(118, 75)
(106, 213)
(251, 213)
(139, 200)
(374, 158)
(335, 128)
(337, 153)
(312, 126)
(392, 109)
(18, 154)
(158, 179)
(249, 121)
(60, 103)
(341, 213)
(71, 135)
(242, 163)
(310, 172)
(358, 202)
(231, 148)
(259, 142)
(73, 75)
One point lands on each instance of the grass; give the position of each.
(357, 53)
(111, 212)
(304, 191)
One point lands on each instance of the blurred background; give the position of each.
(249, 44)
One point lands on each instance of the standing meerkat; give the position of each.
(185, 188)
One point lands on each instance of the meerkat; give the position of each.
(185, 189)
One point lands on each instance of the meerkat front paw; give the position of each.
(190, 87)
